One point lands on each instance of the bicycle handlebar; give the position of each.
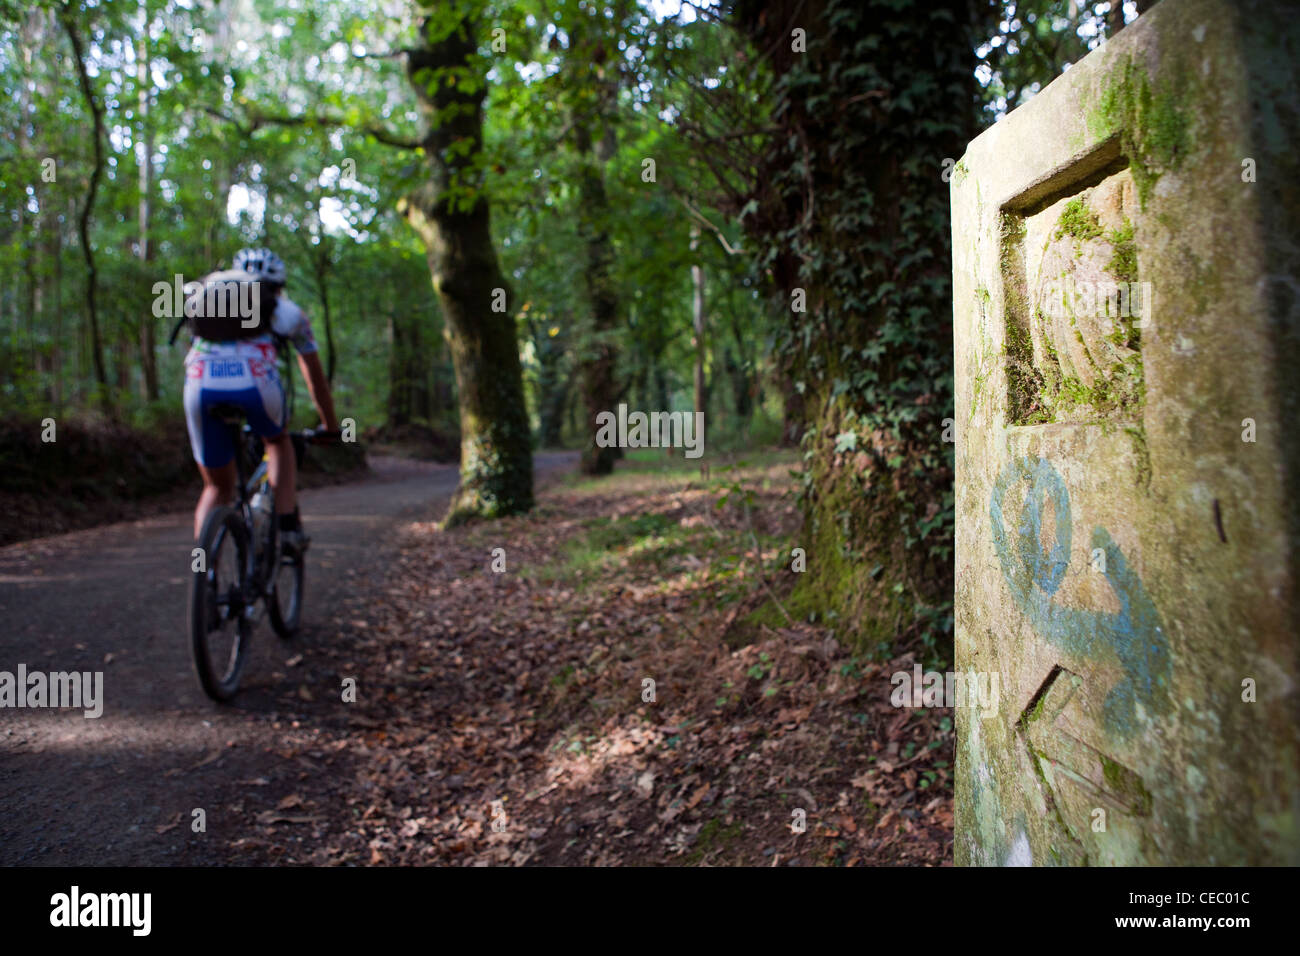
(322, 436)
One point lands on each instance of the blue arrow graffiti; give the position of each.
(1034, 576)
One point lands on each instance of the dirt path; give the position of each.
(122, 789)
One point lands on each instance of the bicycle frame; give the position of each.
(246, 486)
(259, 476)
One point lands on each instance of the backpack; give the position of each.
(230, 305)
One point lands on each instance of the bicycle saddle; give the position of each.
(227, 412)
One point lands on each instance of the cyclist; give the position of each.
(243, 373)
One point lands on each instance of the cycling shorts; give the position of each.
(242, 375)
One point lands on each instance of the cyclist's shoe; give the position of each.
(294, 543)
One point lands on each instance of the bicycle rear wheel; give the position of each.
(285, 599)
(220, 631)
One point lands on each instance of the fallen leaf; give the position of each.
(645, 784)
(697, 796)
(270, 817)
(210, 758)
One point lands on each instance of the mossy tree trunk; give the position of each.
(867, 244)
(451, 215)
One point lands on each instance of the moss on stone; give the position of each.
(1153, 126)
(1123, 260)
(1047, 390)
(1078, 221)
(1127, 784)
(1038, 709)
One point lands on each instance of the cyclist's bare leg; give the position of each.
(282, 470)
(218, 489)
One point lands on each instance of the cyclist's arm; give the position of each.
(291, 324)
(318, 387)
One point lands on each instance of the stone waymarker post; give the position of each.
(1126, 261)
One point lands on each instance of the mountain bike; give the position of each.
(241, 572)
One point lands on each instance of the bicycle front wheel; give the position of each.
(220, 630)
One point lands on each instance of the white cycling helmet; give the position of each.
(263, 263)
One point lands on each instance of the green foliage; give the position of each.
(1030, 43)
(218, 182)
(563, 80)
(255, 120)
(653, 540)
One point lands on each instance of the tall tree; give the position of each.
(144, 153)
(450, 212)
(697, 318)
(592, 94)
(849, 210)
(451, 215)
(67, 19)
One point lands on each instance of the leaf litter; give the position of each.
(505, 718)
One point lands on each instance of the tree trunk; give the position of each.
(1115, 17)
(867, 561)
(451, 215)
(743, 384)
(24, 301)
(143, 80)
(408, 371)
(56, 253)
(415, 369)
(321, 264)
(591, 91)
(552, 414)
(123, 359)
(97, 115)
(600, 359)
(399, 407)
(697, 311)
(573, 410)
(331, 357)
(552, 386)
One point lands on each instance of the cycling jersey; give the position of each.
(240, 373)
